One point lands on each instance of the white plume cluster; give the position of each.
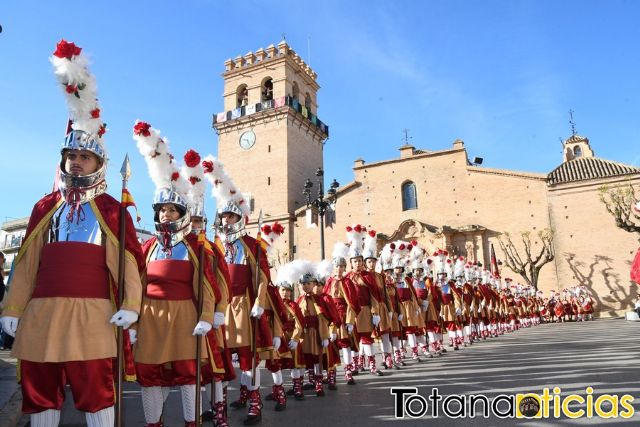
(162, 167)
(224, 190)
(71, 68)
(324, 269)
(194, 175)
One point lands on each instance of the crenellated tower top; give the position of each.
(260, 56)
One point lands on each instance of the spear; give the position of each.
(125, 172)
(200, 299)
(256, 286)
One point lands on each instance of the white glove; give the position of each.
(425, 305)
(202, 328)
(418, 312)
(349, 327)
(293, 344)
(218, 319)
(400, 317)
(276, 342)
(390, 315)
(375, 319)
(333, 337)
(9, 325)
(257, 311)
(480, 310)
(482, 304)
(325, 343)
(133, 335)
(458, 312)
(124, 318)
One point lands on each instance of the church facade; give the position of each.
(271, 127)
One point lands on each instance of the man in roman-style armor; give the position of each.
(368, 297)
(340, 289)
(256, 307)
(65, 275)
(383, 330)
(165, 348)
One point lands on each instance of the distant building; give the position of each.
(270, 127)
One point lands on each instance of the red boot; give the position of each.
(348, 375)
(255, 408)
(280, 397)
(219, 415)
(298, 392)
(319, 386)
(372, 367)
(242, 400)
(331, 374)
(158, 424)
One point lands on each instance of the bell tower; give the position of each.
(270, 138)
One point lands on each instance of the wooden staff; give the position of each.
(200, 300)
(125, 172)
(256, 287)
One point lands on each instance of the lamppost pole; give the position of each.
(321, 203)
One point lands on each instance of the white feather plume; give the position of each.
(80, 90)
(324, 269)
(224, 190)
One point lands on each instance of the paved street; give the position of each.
(601, 354)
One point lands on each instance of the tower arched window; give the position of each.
(307, 101)
(409, 196)
(267, 89)
(577, 151)
(242, 96)
(296, 91)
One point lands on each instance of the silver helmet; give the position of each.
(230, 232)
(170, 233)
(81, 189)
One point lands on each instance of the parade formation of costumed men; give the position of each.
(197, 309)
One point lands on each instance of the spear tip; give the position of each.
(125, 170)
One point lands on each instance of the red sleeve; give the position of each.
(370, 279)
(351, 294)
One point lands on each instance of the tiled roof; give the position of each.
(585, 168)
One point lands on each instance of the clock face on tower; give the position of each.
(247, 139)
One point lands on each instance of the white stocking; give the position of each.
(103, 418)
(47, 418)
(367, 349)
(152, 401)
(277, 377)
(412, 340)
(219, 393)
(248, 380)
(386, 344)
(346, 356)
(396, 343)
(188, 393)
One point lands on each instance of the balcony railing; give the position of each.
(289, 101)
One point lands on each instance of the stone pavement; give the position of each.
(601, 354)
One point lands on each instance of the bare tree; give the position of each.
(620, 203)
(528, 265)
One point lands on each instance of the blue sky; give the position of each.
(500, 75)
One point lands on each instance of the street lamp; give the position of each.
(322, 202)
